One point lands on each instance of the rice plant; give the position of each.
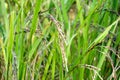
(59, 40)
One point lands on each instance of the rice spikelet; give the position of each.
(62, 40)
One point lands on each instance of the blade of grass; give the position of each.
(103, 35)
(35, 18)
(10, 43)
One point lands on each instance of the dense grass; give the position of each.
(59, 39)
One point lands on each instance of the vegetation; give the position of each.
(59, 40)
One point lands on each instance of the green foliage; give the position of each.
(59, 40)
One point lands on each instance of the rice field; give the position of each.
(59, 40)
